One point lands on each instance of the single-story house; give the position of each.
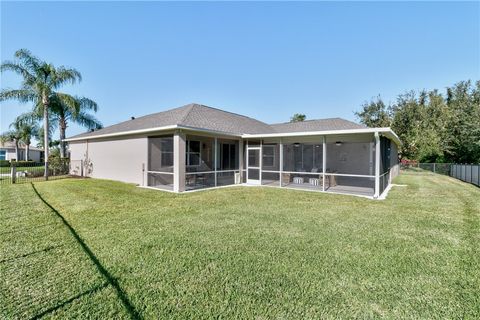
(196, 147)
(7, 152)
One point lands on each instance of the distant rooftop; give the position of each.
(21, 145)
(197, 116)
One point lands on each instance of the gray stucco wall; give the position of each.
(115, 159)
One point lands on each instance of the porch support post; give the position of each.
(178, 161)
(240, 160)
(281, 162)
(216, 159)
(324, 161)
(377, 165)
(261, 161)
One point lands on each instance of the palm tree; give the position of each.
(12, 136)
(40, 81)
(61, 113)
(79, 115)
(26, 131)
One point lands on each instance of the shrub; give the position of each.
(24, 163)
(57, 165)
(4, 163)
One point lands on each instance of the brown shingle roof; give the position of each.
(316, 125)
(208, 118)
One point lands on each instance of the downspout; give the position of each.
(281, 162)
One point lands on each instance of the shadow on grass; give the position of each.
(32, 253)
(64, 303)
(108, 277)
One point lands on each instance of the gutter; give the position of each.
(385, 131)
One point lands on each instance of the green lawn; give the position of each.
(111, 250)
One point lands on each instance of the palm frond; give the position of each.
(87, 120)
(63, 76)
(87, 104)
(22, 95)
(18, 69)
(29, 60)
(7, 136)
(29, 118)
(65, 102)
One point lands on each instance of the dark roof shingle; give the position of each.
(208, 118)
(316, 125)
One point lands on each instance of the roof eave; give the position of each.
(386, 131)
(151, 130)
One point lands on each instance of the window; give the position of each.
(193, 153)
(268, 156)
(3, 154)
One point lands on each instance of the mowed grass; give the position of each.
(264, 253)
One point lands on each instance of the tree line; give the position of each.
(40, 86)
(433, 126)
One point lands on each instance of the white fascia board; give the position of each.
(123, 133)
(387, 131)
(150, 130)
(215, 132)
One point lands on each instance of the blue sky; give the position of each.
(262, 59)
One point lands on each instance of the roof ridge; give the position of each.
(226, 111)
(189, 109)
(308, 120)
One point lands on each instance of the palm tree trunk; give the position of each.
(27, 151)
(45, 134)
(63, 147)
(17, 152)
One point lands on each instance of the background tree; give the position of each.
(12, 136)
(79, 115)
(40, 80)
(77, 110)
(433, 127)
(374, 114)
(27, 130)
(298, 117)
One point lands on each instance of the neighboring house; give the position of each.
(7, 152)
(195, 147)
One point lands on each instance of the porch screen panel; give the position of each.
(303, 165)
(199, 162)
(302, 157)
(160, 162)
(228, 161)
(357, 158)
(271, 164)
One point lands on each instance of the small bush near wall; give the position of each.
(4, 163)
(24, 163)
(58, 165)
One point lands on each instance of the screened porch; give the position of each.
(344, 164)
(341, 164)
